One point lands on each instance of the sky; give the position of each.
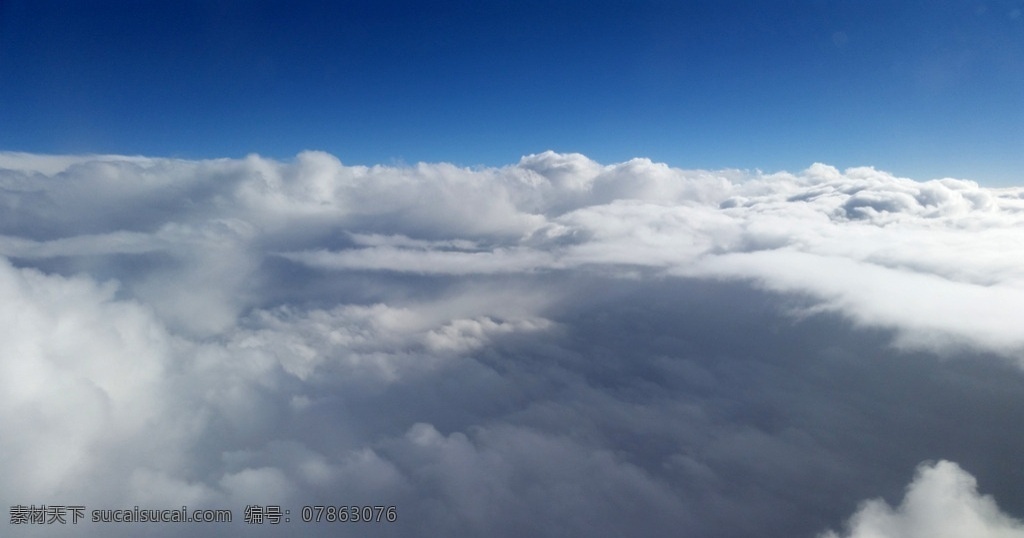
(922, 89)
(513, 269)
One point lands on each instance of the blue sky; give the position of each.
(921, 89)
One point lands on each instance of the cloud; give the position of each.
(429, 261)
(84, 375)
(506, 481)
(775, 229)
(554, 347)
(929, 311)
(943, 500)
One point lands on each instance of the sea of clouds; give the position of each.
(552, 348)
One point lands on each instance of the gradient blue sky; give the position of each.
(921, 89)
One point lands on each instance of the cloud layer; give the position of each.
(557, 347)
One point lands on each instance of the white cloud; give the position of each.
(928, 311)
(366, 344)
(50, 165)
(82, 374)
(446, 262)
(602, 346)
(942, 502)
(83, 245)
(848, 238)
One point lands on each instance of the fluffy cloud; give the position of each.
(943, 500)
(555, 347)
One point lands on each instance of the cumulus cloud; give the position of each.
(943, 500)
(554, 347)
(809, 233)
